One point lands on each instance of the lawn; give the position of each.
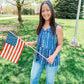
(71, 70)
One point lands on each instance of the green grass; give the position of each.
(71, 70)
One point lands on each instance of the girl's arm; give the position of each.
(31, 43)
(59, 33)
(34, 43)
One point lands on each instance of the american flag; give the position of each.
(12, 48)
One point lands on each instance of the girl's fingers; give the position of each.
(49, 61)
(27, 43)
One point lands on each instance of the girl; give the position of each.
(49, 43)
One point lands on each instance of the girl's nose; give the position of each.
(45, 13)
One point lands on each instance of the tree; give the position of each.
(19, 4)
(67, 8)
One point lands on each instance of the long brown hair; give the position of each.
(42, 21)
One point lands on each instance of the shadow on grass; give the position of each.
(70, 71)
(72, 65)
(26, 29)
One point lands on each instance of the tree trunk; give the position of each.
(19, 14)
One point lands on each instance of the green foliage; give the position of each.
(39, 1)
(31, 11)
(28, 11)
(25, 11)
(67, 9)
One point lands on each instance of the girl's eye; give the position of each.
(42, 10)
(45, 10)
(48, 10)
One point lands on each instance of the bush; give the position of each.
(25, 11)
(28, 11)
(32, 12)
(67, 9)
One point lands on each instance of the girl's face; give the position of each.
(46, 12)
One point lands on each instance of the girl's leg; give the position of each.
(50, 74)
(36, 71)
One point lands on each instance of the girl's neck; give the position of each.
(47, 23)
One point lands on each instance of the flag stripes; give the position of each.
(12, 53)
(19, 52)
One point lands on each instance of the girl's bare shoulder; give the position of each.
(59, 29)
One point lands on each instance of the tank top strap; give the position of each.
(56, 25)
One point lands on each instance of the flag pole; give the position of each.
(74, 42)
(38, 52)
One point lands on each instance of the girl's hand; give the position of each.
(51, 58)
(28, 43)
